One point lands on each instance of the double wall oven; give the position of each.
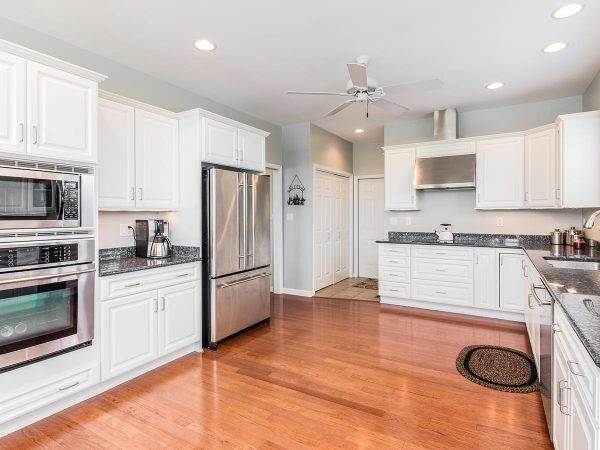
(47, 269)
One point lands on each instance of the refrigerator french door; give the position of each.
(237, 252)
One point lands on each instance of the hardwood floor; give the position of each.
(325, 374)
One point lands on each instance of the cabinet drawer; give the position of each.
(132, 283)
(24, 402)
(397, 274)
(583, 370)
(394, 261)
(391, 289)
(394, 250)
(443, 292)
(442, 252)
(434, 269)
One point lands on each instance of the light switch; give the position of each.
(408, 221)
(393, 221)
(500, 222)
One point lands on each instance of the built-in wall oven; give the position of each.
(45, 199)
(46, 298)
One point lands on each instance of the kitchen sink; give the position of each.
(570, 264)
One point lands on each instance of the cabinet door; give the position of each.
(399, 177)
(511, 281)
(252, 151)
(156, 161)
(561, 397)
(62, 114)
(485, 278)
(180, 316)
(219, 143)
(129, 333)
(116, 155)
(582, 433)
(12, 103)
(500, 173)
(540, 169)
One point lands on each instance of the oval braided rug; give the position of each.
(499, 368)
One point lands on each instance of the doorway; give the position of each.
(370, 224)
(331, 228)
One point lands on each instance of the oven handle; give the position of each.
(45, 277)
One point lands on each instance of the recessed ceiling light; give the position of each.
(495, 85)
(206, 45)
(555, 47)
(359, 130)
(567, 10)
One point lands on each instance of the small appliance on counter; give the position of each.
(152, 239)
(557, 237)
(445, 235)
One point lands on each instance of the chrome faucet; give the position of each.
(590, 222)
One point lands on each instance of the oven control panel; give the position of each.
(45, 254)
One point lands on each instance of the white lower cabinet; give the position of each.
(485, 278)
(141, 327)
(511, 281)
(575, 390)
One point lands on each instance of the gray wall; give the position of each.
(305, 145)
(367, 158)
(591, 102)
(458, 207)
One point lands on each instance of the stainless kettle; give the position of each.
(161, 245)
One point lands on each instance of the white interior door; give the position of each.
(371, 196)
(341, 228)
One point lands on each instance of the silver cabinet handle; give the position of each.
(564, 408)
(393, 261)
(163, 305)
(46, 277)
(394, 290)
(140, 196)
(539, 301)
(22, 128)
(132, 285)
(529, 301)
(440, 253)
(183, 275)
(243, 280)
(441, 292)
(69, 386)
(35, 134)
(155, 303)
(440, 270)
(132, 193)
(572, 364)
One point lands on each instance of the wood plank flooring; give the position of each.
(326, 373)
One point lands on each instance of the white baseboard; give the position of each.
(471, 311)
(298, 292)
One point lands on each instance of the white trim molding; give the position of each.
(298, 292)
(199, 112)
(51, 61)
(136, 104)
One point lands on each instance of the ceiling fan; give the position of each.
(363, 89)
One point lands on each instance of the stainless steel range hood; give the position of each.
(445, 172)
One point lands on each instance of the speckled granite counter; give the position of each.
(114, 261)
(568, 287)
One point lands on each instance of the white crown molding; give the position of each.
(136, 104)
(199, 112)
(51, 61)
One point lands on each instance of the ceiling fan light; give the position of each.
(567, 10)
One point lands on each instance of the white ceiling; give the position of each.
(266, 47)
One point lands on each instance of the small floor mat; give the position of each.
(370, 283)
(500, 368)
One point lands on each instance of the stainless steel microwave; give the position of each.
(40, 199)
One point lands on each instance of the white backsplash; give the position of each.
(109, 223)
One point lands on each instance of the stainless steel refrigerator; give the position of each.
(236, 229)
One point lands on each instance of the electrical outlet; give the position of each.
(124, 230)
(500, 222)
(393, 221)
(408, 221)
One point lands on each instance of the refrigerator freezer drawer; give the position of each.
(239, 301)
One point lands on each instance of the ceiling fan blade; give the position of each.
(393, 108)
(419, 86)
(319, 93)
(358, 74)
(339, 108)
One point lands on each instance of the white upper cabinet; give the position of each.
(12, 103)
(220, 143)
(156, 161)
(399, 175)
(61, 114)
(116, 155)
(540, 169)
(251, 150)
(579, 144)
(228, 144)
(500, 173)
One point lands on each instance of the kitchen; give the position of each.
(132, 244)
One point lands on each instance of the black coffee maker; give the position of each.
(152, 239)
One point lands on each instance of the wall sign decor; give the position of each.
(296, 192)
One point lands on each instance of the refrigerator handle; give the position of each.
(241, 215)
(250, 220)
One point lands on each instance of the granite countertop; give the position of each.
(115, 261)
(568, 287)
